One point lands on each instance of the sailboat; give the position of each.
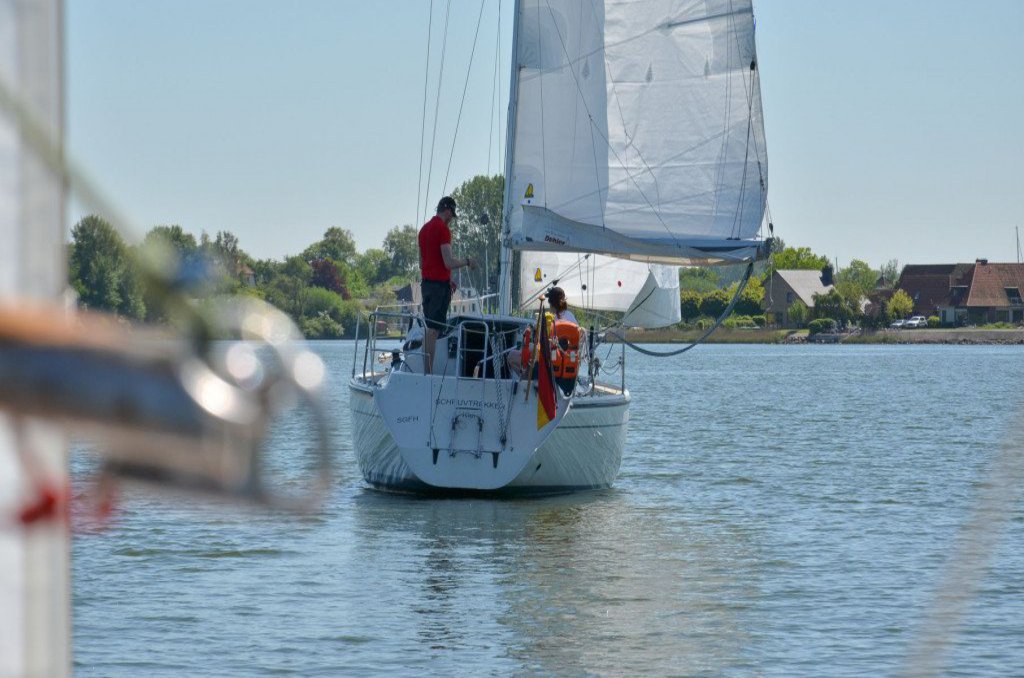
(635, 145)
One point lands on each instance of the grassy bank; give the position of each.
(721, 336)
(939, 336)
(775, 336)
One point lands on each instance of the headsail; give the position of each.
(638, 130)
(605, 284)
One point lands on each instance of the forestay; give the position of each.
(638, 130)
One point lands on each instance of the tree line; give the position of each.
(324, 288)
(706, 292)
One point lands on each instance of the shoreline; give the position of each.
(960, 337)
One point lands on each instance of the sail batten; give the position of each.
(640, 120)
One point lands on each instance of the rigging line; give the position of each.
(751, 133)
(540, 73)
(491, 123)
(601, 200)
(749, 93)
(738, 216)
(465, 88)
(579, 90)
(437, 104)
(723, 151)
(566, 272)
(576, 102)
(725, 314)
(423, 120)
(746, 149)
(501, 146)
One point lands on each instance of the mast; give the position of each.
(505, 272)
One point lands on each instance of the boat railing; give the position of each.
(464, 353)
(375, 360)
(471, 359)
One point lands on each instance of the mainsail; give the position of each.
(638, 130)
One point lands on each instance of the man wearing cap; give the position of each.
(436, 265)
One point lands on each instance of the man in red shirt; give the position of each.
(436, 265)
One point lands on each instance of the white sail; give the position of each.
(657, 302)
(605, 284)
(638, 130)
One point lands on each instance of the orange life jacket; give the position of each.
(565, 347)
(566, 357)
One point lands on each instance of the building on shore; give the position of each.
(786, 287)
(966, 294)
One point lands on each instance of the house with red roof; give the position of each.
(961, 294)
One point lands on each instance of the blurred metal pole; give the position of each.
(969, 557)
(35, 597)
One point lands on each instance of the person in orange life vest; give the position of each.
(556, 300)
(559, 317)
(566, 338)
(436, 265)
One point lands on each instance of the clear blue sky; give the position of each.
(895, 129)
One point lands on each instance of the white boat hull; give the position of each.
(583, 453)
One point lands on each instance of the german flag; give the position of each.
(547, 405)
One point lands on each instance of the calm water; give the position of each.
(781, 511)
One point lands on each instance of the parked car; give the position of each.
(917, 321)
(898, 324)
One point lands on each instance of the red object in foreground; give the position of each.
(45, 506)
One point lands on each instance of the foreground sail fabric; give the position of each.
(638, 129)
(35, 608)
(605, 283)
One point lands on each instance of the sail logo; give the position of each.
(538, 276)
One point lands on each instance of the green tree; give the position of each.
(355, 283)
(749, 302)
(900, 305)
(176, 239)
(224, 259)
(337, 244)
(287, 288)
(374, 265)
(834, 305)
(689, 304)
(402, 246)
(714, 303)
(795, 258)
(700, 279)
(858, 278)
(798, 313)
(889, 274)
(477, 233)
(319, 300)
(102, 270)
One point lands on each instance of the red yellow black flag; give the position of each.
(547, 405)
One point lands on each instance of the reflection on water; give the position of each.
(587, 581)
(768, 520)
